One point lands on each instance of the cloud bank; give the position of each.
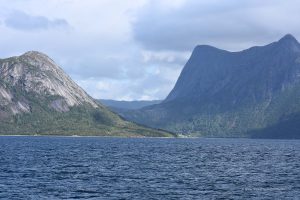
(128, 50)
(22, 21)
(230, 24)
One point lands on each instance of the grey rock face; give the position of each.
(34, 72)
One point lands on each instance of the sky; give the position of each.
(136, 49)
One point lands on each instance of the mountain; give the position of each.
(37, 97)
(219, 93)
(127, 105)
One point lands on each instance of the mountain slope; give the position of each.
(37, 97)
(231, 94)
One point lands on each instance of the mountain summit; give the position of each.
(289, 42)
(235, 94)
(37, 97)
(289, 38)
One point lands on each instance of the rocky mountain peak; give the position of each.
(34, 72)
(34, 54)
(288, 38)
(289, 42)
(40, 61)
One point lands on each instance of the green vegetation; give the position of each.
(80, 120)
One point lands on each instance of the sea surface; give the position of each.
(149, 168)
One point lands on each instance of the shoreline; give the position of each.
(99, 136)
(80, 136)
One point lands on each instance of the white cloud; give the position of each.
(124, 49)
(231, 24)
(20, 20)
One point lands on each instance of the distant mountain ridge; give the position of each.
(37, 97)
(232, 94)
(127, 105)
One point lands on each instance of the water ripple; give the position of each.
(115, 168)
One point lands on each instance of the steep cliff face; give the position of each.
(37, 97)
(222, 93)
(239, 77)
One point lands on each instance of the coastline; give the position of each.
(81, 136)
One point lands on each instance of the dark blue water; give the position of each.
(115, 168)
